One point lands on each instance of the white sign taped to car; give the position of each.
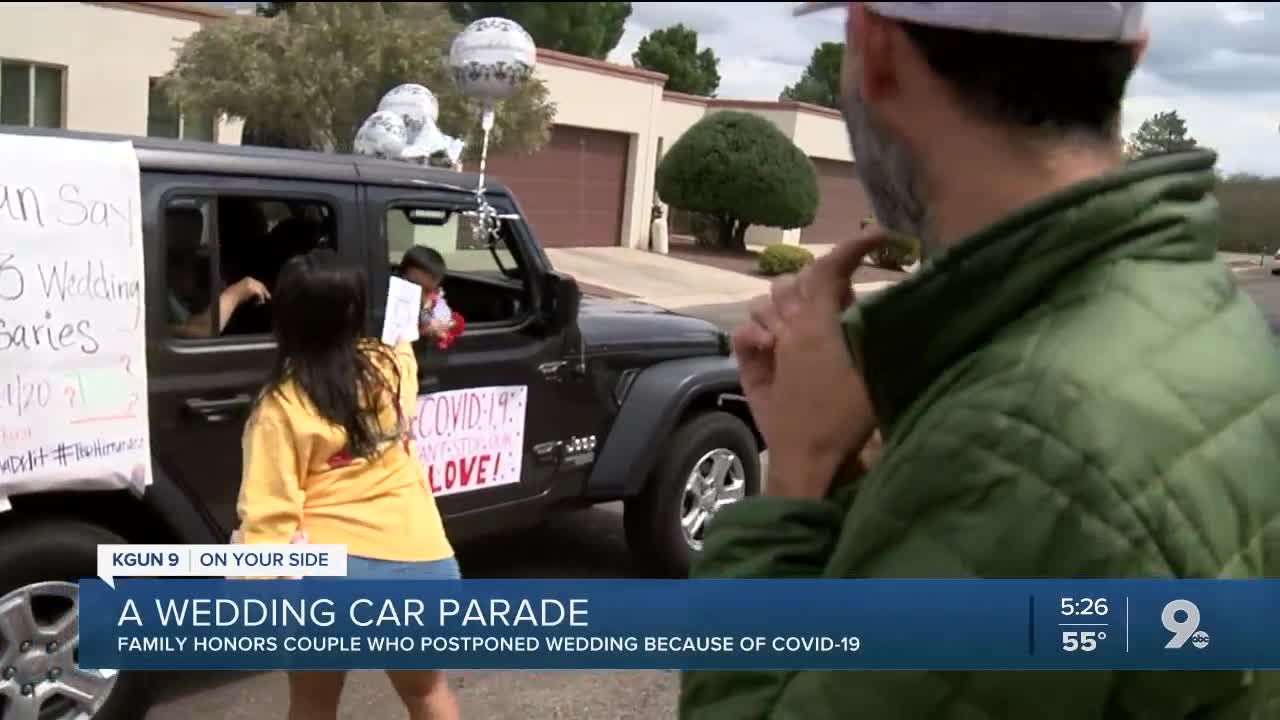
(73, 389)
(471, 439)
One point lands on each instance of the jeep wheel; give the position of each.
(712, 462)
(40, 678)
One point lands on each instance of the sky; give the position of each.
(1217, 64)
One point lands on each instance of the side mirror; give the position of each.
(560, 301)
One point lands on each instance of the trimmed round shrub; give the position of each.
(739, 170)
(782, 259)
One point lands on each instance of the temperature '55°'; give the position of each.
(1084, 623)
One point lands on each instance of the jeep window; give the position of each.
(222, 251)
(486, 280)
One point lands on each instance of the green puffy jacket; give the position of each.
(1081, 390)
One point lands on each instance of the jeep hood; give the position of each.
(611, 325)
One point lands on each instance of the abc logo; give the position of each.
(1200, 640)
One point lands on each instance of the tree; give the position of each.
(590, 29)
(739, 170)
(820, 82)
(1249, 206)
(674, 51)
(309, 77)
(272, 9)
(1160, 134)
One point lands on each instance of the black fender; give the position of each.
(169, 503)
(165, 513)
(657, 398)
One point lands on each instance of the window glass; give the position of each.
(216, 281)
(48, 97)
(197, 127)
(162, 116)
(15, 93)
(452, 234)
(484, 280)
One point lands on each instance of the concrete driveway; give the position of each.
(655, 278)
(664, 281)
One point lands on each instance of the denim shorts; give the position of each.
(362, 568)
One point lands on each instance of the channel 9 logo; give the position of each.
(1182, 618)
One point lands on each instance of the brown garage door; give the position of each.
(573, 188)
(842, 204)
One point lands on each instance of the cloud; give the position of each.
(1217, 64)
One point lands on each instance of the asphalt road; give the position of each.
(583, 544)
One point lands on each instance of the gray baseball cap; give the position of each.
(1083, 21)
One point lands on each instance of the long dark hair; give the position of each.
(319, 307)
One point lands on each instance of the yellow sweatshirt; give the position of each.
(297, 474)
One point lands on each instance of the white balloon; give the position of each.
(491, 58)
(415, 103)
(430, 141)
(382, 135)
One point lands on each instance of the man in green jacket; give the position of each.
(1072, 386)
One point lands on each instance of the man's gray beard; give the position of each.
(888, 171)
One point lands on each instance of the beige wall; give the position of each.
(822, 136)
(107, 54)
(677, 116)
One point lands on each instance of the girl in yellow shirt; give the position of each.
(327, 450)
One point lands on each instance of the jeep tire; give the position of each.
(712, 460)
(47, 558)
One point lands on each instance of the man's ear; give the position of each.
(870, 41)
(1140, 48)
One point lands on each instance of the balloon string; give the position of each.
(484, 152)
(488, 220)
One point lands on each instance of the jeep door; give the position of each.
(503, 346)
(203, 234)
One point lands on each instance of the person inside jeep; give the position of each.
(190, 307)
(425, 267)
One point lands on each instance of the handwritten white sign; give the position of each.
(73, 383)
(404, 303)
(471, 439)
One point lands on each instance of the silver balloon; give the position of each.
(416, 104)
(382, 135)
(491, 58)
(428, 142)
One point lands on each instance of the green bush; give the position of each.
(896, 254)
(740, 170)
(1250, 207)
(782, 259)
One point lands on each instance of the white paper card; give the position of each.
(73, 388)
(404, 303)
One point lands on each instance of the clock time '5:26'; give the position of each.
(1084, 609)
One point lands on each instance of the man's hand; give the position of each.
(810, 403)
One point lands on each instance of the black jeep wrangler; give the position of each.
(624, 401)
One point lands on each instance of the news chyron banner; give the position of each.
(326, 622)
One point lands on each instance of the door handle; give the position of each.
(554, 371)
(430, 383)
(217, 410)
